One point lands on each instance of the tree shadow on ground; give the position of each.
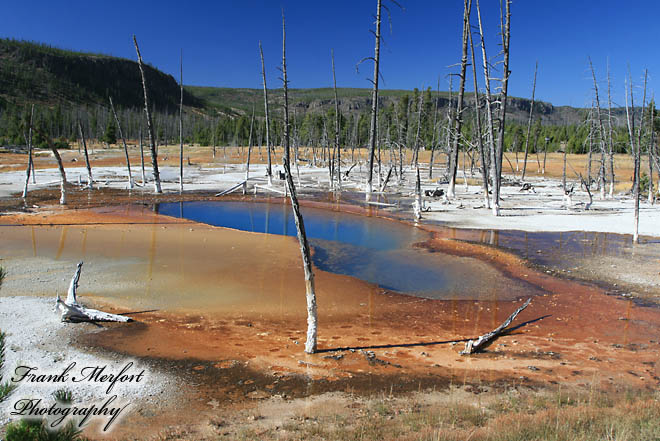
(507, 331)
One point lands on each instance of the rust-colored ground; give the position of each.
(574, 334)
(196, 155)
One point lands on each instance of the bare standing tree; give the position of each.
(30, 164)
(123, 140)
(249, 152)
(141, 154)
(337, 123)
(435, 130)
(374, 104)
(458, 121)
(312, 319)
(90, 180)
(651, 197)
(506, 39)
(269, 169)
(609, 133)
(60, 165)
(630, 119)
(601, 134)
(477, 117)
(529, 123)
(181, 126)
(489, 108)
(150, 126)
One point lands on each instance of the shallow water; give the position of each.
(372, 249)
(192, 267)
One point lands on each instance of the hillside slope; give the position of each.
(33, 72)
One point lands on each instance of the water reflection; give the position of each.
(372, 249)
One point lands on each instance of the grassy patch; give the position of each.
(508, 416)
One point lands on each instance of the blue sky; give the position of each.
(220, 40)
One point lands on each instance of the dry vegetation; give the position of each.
(511, 415)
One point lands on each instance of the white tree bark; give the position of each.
(90, 179)
(30, 164)
(123, 140)
(473, 346)
(72, 311)
(150, 126)
(312, 318)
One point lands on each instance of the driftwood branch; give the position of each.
(473, 346)
(72, 311)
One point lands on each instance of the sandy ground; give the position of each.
(35, 337)
(244, 359)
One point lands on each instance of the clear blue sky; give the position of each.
(220, 40)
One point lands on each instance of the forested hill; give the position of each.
(353, 101)
(34, 72)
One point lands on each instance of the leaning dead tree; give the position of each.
(72, 311)
(529, 123)
(458, 121)
(60, 165)
(150, 126)
(374, 104)
(90, 179)
(310, 344)
(30, 163)
(473, 346)
(269, 168)
(123, 140)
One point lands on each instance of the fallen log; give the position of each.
(72, 311)
(473, 346)
(235, 187)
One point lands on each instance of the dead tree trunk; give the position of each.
(415, 161)
(417, 206)
(435, 131)
(181, 126)
(141, 155)
(249, 152)
(30, 164)
(310, 344)
(601, 135)
(630, 119)
(337, 123)
(72, 311)
(473, 346)
(489, 107)
(477, 117)
(609, 134)
(374, 104)
(60, 165)
(529, 123)
(123, 140)
(90, 180)
(650, 154)
(150, 126)
(458, 122)
(269, 168)
(506, 38)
